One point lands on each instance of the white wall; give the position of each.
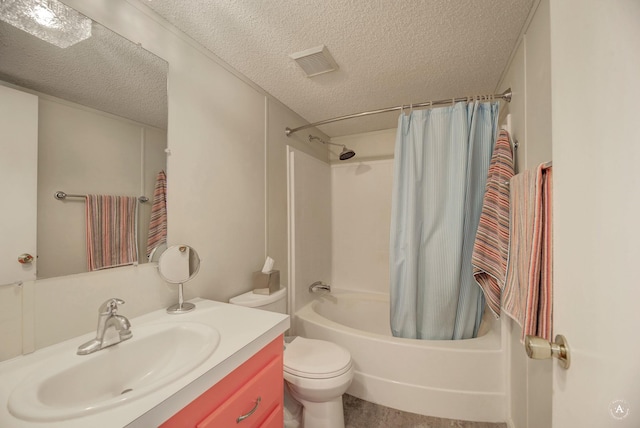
(18, 184)
(217, 189)
(215, 195)
(529, 77)
(85, 151)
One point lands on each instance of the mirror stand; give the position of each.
(177, 265)
(181, 307)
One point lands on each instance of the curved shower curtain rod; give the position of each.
(506, 95)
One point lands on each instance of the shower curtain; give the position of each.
(441, 162)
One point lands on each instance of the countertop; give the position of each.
(243, 332)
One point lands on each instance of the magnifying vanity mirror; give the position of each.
(177, 265)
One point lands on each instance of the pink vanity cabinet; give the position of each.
(251, 396)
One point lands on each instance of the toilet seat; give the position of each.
(315, 359)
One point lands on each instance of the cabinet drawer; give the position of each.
(200, 409)
(266, 386)
(275, 419)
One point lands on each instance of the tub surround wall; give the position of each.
(222, 131)
(276, 180)
(361, 218)
(309, 226)
(368, 146)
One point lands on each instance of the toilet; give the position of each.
(316, 372)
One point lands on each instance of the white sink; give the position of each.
(69, 386)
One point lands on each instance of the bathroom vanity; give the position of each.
(201, 369)
(252, 394)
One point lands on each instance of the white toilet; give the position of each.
(317, 372)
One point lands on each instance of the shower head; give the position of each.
(344, 154)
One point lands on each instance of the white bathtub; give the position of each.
(461, 379)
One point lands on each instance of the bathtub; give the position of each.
(463, 379)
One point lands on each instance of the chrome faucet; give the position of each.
(108, 317)
(318, 286)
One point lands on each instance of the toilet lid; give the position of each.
(316, 359)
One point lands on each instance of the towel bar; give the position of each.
(60, 195)
(17, 283)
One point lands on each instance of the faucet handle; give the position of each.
(110, 306)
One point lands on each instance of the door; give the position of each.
(18, 183)
(595, 57)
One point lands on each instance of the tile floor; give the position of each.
(363, 414)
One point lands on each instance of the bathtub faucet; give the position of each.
(319, 286)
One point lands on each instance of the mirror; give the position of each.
(102, 120)
(177, 265)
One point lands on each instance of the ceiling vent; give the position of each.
(315, 61)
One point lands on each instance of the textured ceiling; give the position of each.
(106, 72)
(389, 52)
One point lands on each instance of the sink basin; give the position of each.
(69, 385)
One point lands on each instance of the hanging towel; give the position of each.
(527, 296)
(158, 222)
(111, 231)
(545, 303)
(491, 247)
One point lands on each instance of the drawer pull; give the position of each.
(251, 412)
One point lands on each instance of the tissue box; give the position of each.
(266, 283)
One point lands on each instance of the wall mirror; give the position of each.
(102, 120)
(177, 265)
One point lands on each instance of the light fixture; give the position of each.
(49, 20)
(315, 61)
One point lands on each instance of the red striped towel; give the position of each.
(491, 247)
(158, 223)
(111, 231)
(527, 296)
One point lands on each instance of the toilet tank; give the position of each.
(274, 302)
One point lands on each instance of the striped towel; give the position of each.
(491, 247)
(111, 231)
(527, 296)
(158, 222)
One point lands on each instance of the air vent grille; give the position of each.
(315, 61)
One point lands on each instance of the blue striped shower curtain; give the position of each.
(441, 162)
